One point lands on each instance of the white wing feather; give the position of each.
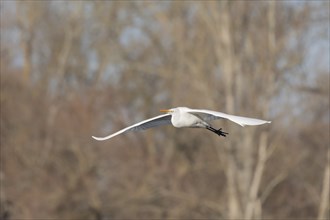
(212, 115)
(149, 123)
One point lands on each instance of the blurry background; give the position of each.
(72, 69)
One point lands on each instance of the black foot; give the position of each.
(218, 132)
(221, 133)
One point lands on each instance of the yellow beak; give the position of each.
(165, 110)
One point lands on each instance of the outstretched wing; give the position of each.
(209, 115)
(149, 123)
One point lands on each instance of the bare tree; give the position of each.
(75, 69)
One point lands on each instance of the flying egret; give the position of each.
(181, 117)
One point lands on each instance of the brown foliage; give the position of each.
(76, 69)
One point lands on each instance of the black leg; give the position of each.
(218, 132)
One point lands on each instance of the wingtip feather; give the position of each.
(97, 138)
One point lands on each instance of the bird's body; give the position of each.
(181, 117)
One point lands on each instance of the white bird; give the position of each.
(181, 117)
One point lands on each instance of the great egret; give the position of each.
(181, 117)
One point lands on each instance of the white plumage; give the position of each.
(186, 117)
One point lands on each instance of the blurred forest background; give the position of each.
(73, 69)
